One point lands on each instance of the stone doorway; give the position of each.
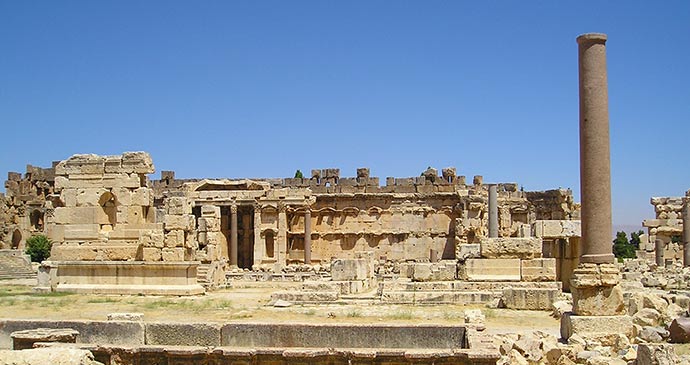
(245, 236)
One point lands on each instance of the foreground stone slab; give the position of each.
(48, 356)
(604, 329)
(25, 339)
(126, 333)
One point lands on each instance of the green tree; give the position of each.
(635, 238)
(622, 249)
(299, 175)
(38, 248)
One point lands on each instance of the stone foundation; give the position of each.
(128, 277)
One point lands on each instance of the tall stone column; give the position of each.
(659, 247)
(595, 161)
(493, 211)
(598, 306)
(281, 250)
(307, 237)
(259, 244)
(686, 229)
(233, 235)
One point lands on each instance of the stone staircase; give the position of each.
(13, 265)
(202, 275)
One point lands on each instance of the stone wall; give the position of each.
(667, 226)
(105, 208)
(25, 204)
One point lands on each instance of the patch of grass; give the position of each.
(7, 301)
(353, 313)
(401, 314)
(52, 294)
(310, 312)
(103, 300)
(451, 315)
(489, 313)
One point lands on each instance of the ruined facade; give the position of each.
(104, 209)
(666, 230)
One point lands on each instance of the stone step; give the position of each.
(468, 286)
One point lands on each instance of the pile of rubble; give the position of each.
(671, 277)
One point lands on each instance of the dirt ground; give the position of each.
(250, 303)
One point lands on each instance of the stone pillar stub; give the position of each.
(596, 291)
(686, 229)
(493, 211)
(233, 235)
(659, 252)
(307, 237)
(595, 160)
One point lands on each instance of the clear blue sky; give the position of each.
(262, 88)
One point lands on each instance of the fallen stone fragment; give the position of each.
(680, 330)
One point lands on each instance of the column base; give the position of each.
(604, 329)
(596, 291)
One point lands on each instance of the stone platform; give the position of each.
(126, 277)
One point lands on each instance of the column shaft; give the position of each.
(493, 211)
(659, 252)
(595, 161)
(686, 230)
(233, 235)
(307, 237)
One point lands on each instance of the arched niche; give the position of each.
(16, 239)
(108, 203)
(36, 219)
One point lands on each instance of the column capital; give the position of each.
(282, 207)
(591, 38)
(233, 209)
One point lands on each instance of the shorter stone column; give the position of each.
(307, 237)
(686, 229)
(659, 252)
(233, 235)
(493, 212)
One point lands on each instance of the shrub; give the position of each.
(38, 248)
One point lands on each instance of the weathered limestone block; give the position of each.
(530, 298)
(604, 329)
(511, 247)
(89, 197)
(178, 206)
(152, 238)
(351, 269)
(73, 253)
(210, 211)
(182, 222)
(118, 253)
(81, 164)
(25, 339)
(173, 254)
(491, 269)
(82, 232)
(174, 238)
(656, 354)
(557, 228)
(152, 254)
(48, 356)
(142, 196)
(137, 162)
(468, 251)
(595, 290)
(538, 269)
